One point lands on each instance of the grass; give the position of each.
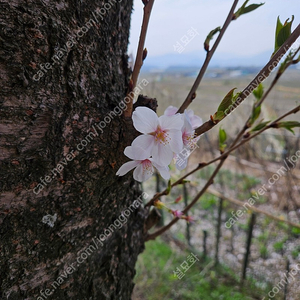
(155, 279)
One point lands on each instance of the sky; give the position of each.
(170, 21)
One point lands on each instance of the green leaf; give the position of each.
(279, 26)
(222, 139)
(210, 37)
(258, 92)
(222, 136)
(288, 125)
(255, 113)
(227, 101)
(282, 33)
(260, 126)
(251, 7)
(244, 10)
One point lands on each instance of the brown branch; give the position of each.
(139, 56)
(259, 78)
(209, 55)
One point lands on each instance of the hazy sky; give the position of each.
(252, 33)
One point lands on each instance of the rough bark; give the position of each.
(42, 120)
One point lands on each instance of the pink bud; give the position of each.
(177, 213)
(178, 199)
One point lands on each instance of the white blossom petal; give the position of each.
(125, 168)
(176, 143)
(161, 154)
(196, 122)
(164, 171)
(145, 120)
(171, 122)
(146, 142)
(187, 125)
(170, 111)
(142, 173)
(136, 153)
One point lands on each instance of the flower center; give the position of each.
(187, 138)
(147, 166)
(161, 136)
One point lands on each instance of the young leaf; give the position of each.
(227, 101)
(258, 92)
(244, 10)
(283, 31)
(288, 125)
(260, 126)
(222, 136)
(210, 37)
(222, 139)
(255, 114)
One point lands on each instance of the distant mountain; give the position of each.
(195, 59)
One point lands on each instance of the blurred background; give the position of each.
(248, 259)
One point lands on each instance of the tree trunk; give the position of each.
(69, 229)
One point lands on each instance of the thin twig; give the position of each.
(252, 208)
(139, 56)
(265, 95)
(225, 154)
(209, 55)
(259, 78)
(175, 220)
(222, 159)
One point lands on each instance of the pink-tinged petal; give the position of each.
(196, 122)
(190, 112)
(146, 142)
(171, 122)
(187, 125)
(145, 120)
(143, 171)
(176, 143)
(163, 171)
(162, 155)
(125, 168)
(170, 111)
(136, 153)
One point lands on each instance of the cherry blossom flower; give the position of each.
(142, 163)
(177, 213)
(161, 136)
